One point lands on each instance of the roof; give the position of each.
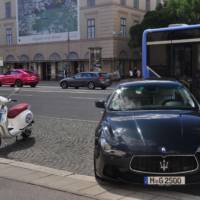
(173, 28)
(150, 82)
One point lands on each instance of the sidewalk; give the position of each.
(81, 185)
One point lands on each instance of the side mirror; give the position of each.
(100, 104)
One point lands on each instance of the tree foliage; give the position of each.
(171, 12)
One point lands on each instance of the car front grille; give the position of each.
(164, 164)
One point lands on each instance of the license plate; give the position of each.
(164, 180)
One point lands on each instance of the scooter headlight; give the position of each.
(29, 118)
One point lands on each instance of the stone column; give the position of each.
(35, 67)
(53, 71)
(39, 70)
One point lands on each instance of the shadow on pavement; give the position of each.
(16, 146)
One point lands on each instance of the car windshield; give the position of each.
(151, 97)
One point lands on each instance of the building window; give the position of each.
(123, 2)
(91, 3)
(136, 4)
(123, 26)
(8, 9)
(91, 28)
(148, 5)
(9, 36)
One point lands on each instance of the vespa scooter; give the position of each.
(16, 121)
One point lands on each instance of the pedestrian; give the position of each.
(138, 73)
(130, 73)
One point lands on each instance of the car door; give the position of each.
(14, 75)
(76, 81)
(85, 79)
(7, 78)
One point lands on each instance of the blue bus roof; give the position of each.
(173, 28)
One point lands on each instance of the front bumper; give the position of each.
(118, 168)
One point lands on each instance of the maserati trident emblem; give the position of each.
(164, 165)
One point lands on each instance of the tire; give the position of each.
(18, 83)
(91, 85)
(103, 87)
(33, 85)
(76, 87)
(26, 134)
(99, 179)
(64, 85)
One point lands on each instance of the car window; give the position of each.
(78, 76)
(14, 72)
(151, 97)
(85, 75)
(93, 75)
(7, 73)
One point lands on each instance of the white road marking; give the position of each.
(60, 91)
(86, 98)
(68, 119)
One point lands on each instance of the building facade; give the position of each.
(100, 42)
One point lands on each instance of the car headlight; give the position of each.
(106, 146)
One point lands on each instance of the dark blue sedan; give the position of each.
(149, 134)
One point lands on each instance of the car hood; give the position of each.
(149, 131)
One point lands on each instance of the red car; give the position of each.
(19, 77)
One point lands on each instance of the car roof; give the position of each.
(150, 82)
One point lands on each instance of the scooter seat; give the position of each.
(17, 109)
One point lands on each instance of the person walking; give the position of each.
(130, 73)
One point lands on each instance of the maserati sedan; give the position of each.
(149, 134)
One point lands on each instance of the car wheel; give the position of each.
(103, 87)
(98, 178)
(76, 87)
(64, 85)
(91, 86)
(33, 85)
(18, 83)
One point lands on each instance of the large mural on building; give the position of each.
(47, 20)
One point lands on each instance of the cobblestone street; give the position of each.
(57, 143)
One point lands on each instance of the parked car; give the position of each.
(19, 77)
(149, 134)
(87, 79)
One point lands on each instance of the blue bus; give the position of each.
(173, 52)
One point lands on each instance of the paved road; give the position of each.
(12, 190)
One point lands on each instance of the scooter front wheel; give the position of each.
(26, 133)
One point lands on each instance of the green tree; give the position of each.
(172, 12)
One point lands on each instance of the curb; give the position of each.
(81, 185)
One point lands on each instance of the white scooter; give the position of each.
(17, 121)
